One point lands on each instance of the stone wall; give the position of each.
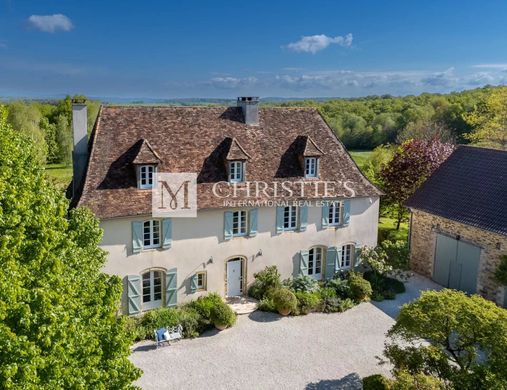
(424, 229)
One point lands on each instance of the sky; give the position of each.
(224, 49)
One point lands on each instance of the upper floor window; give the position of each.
(146, 176)
(152, 289)
(151, 234)
(236, 171)
(290, 218)
(311, 167)
(346, 256)
(335, 213)
(239, 223)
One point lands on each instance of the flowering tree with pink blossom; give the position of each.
(412, 163)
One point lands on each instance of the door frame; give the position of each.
(243, 273)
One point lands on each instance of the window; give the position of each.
(315, 263)
(311, 167)
(239, 223)
(152, 290)
(346, 256)
(151, 233)
(236, 171)
(335, 213)
(290, 218)
(146, 175)
(201, 280)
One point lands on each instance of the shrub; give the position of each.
(267, 304)
(203, 305)
(376, 382)
(360, 289)
(306, 301)
(305, 283)
(377, 296)
(398, 253)
(346, 304)
(284, 300)
(340, 286)
(265, 282)
(331, 304)
(384, 286)
(222, 315)
(327, 292)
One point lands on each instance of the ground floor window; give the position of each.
(152, 290)
(315, 262)
(201, 280)
(346, 256)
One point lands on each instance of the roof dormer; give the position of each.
(146, 165)
(310, 157)
(236, 158)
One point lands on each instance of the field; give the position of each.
(361, 157)
(60, 174)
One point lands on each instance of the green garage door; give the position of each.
(456, 264)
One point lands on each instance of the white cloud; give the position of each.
(233, 82)
(51, 23)
(490, 66)
(314, 43)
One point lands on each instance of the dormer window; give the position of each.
(311, 167)
(146, 176)
(236, 171)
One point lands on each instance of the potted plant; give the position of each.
(285, 301)
(222, 316)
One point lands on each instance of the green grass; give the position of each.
(60, 174)
(387, 230)
(361, 157)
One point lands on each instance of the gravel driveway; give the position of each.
(266, 351)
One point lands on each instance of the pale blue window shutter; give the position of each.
(279, 219)
(227, 225)
(193, 283)
(252, 229)
(303, 263)
(325, 215)
(339, 257)
(171, 288)
(134, 294)
(137, 237)
(346, 212)
(303, 218)
(167, 231)
(331, 262)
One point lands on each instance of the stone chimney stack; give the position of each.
(250, 107)
(80, 135)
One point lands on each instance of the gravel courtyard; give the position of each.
(266, 351)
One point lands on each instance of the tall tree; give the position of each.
(64, 139)
(465, 340)
(412, 163)
(26, 117)
(489, 120)
(58, 323)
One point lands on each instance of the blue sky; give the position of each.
(170, 49)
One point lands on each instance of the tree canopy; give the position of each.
(58, 323)
(465, 339)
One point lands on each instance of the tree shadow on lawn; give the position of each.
(350, 382)
(264, 316)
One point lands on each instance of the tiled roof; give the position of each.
(198, 139)
(146, 154)
(469, 187)
(236, 151)
(311, 149)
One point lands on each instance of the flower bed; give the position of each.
(195, 317)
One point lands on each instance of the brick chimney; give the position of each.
(80, 135)
(250, 107)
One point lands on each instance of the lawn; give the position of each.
(60, 174)
(361, 157)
